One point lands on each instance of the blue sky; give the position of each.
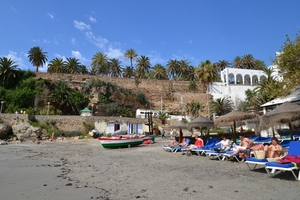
(193, 30)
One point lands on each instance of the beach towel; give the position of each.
(290, 159)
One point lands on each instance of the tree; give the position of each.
(222, 64)
(162, 116)
(193, 108)
(159, 72)
(288, 61)
(9, 71)
(56, 65)
(207, 74)
(100, 64)
(128, 72)
(37, 57)
(143, 66)
(72, 66)
(172, 68)
(238, 62)
(249, 62)
(115, 67)
(221, 106)
(131, 55)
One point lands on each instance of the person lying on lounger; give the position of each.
(173, 143)
(244, 146)
(198, 143)
(274, 150)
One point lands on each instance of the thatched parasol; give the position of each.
(233, 117)
(200, 122)
(181, 125)
(286, 113)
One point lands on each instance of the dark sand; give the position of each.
(82, 169)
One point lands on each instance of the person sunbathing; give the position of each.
(244, 146)
(274, 150)
(182, 143)
(173, 143)
(198, 143)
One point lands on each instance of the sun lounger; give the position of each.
(252, 162)
(262, 140)
(208, 146)
(273, 167)
(215, 154)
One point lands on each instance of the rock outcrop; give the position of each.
(24, 131)
(4, 129)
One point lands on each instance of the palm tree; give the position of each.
(238, 62)
(37, 57)
(162, 116)
(61, 95)
(207, 74)
(115, 67)
(143, 66)
(56, 65)
(221, 106)
(72, 66)
(131, 55)
(128, 72)
(193, 108)
(172, 68)
(249, 61)
(9, 71)
(83, 69)
(222, 64)
(100, 63)
(159, 72)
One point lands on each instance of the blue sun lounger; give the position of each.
(273, 167)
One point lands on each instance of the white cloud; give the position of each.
(98, 41)
(46, 41)
(60, 56)
(114, 53)
(78, 55)
(155, 58)
(81, 25)
(92, 19)
(74, 41)
(49, 15)
(18, 60)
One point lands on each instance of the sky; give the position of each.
(192, 30)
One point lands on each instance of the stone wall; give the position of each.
(67, 122)
(155, 90)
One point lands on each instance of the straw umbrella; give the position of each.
(200, 122)
(286, 113)
(233, 117)
(181, 125)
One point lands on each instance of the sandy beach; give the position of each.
(83, 169)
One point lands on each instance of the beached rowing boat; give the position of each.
(116, 142)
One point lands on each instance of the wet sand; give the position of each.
(83, 169)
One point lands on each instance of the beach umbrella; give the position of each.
(233, 118)
(201, 123)
(287, 113)
(181, 125)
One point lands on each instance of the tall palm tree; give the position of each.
(56, 65)
(207, 74)
(172, 68)
(143, 66)
(83, 69)
(183, 69)
(128, 72)
(221, 106)
(115, 67)
(37, 57)
(159, 72)
(131, 55)
(72, 66)
(249, 61)
(238, 62)
(222, 64)
(8, 71)
(100, 63)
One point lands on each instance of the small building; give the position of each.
(86, 112)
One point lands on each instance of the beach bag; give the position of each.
(259, 154)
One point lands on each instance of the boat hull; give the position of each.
(120, 143)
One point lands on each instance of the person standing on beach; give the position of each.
(163, 134)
